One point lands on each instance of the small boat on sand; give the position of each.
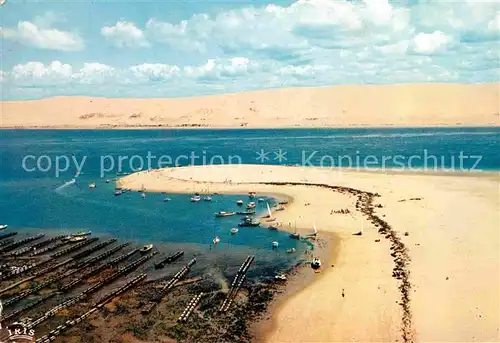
(272, 227)
(3, 227)
(77, 238)
(146, 248)
(234, 231)
(280, 208)
(239, 202)
(280, 277)
(195, 198)
(316, 263)
(224, 214)
(250, 205)
(275, 244)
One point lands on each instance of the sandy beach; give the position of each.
(400, 105)
(442, 232)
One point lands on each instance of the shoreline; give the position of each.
(284, 127)
(374, 301)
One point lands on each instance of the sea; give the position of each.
(36, 167)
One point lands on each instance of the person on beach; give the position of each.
(343, 295)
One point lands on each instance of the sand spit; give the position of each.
(414, 105)
(447, 225)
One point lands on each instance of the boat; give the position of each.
(250, 205)
(291, 250)
(239, 202)
(146, 248)
(195, 198)
(143, 195)
(272, 227)
(260, 200)
(3, 227)
(82, 233)
(166, 199)
(251, 194)
(269, 213)
(248, 221)
(66, 238)
(77, 238)
(224, 214)
(294, 235)
(280, 277)
(207, 198)
(316, 263)
(108, 180)
(283, 202)
(92, 185)
(234, 231)
(117, 193)
(246, 213)
(216, 240)
(275, 244)
(280, 208)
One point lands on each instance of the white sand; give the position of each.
(453, 244)
(338, 106)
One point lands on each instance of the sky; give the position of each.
(187, 48)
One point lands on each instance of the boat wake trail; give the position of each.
(66, 184)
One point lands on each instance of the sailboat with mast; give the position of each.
(295, 235)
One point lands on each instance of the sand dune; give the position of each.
(452, 243)
(337, 106)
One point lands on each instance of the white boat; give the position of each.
(275, 244)
(291, 250)
(108, 180)
(250, 205)
(224, 214)
(143, 195)
(316, 263)
(239, 202)
(207, 198)
(3, 227)
(77, 238)
(195, 198)
(280, 277)
(260, 200)
(166, 199)
(269, 213)
(117, 193)
(146, 248)
(234, 231)
(216, 240)
(92, 185)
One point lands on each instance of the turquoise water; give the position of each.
(33, 200)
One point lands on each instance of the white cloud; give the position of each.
(31, 34)
(430, 43)
(154, 71)
(125, 34)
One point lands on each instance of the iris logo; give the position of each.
(18, 332)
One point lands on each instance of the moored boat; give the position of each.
(77, 238)
(280, 277)
(166, 199)
(252, 194)
(291, 250)
(275, 244)
(207, 198)
(246, 213)
(143, 195)
(248, 221)
(216, 240)
(272, 227)
(108, 180)
(239, 202)
(3, 227)
(224, 214)
(195, 198)
(294, 235)
(260, 200)
(92, 185)
(146, 248)
(250, 205)
(117, 193)
(234, 231)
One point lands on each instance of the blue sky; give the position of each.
(188, 48)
